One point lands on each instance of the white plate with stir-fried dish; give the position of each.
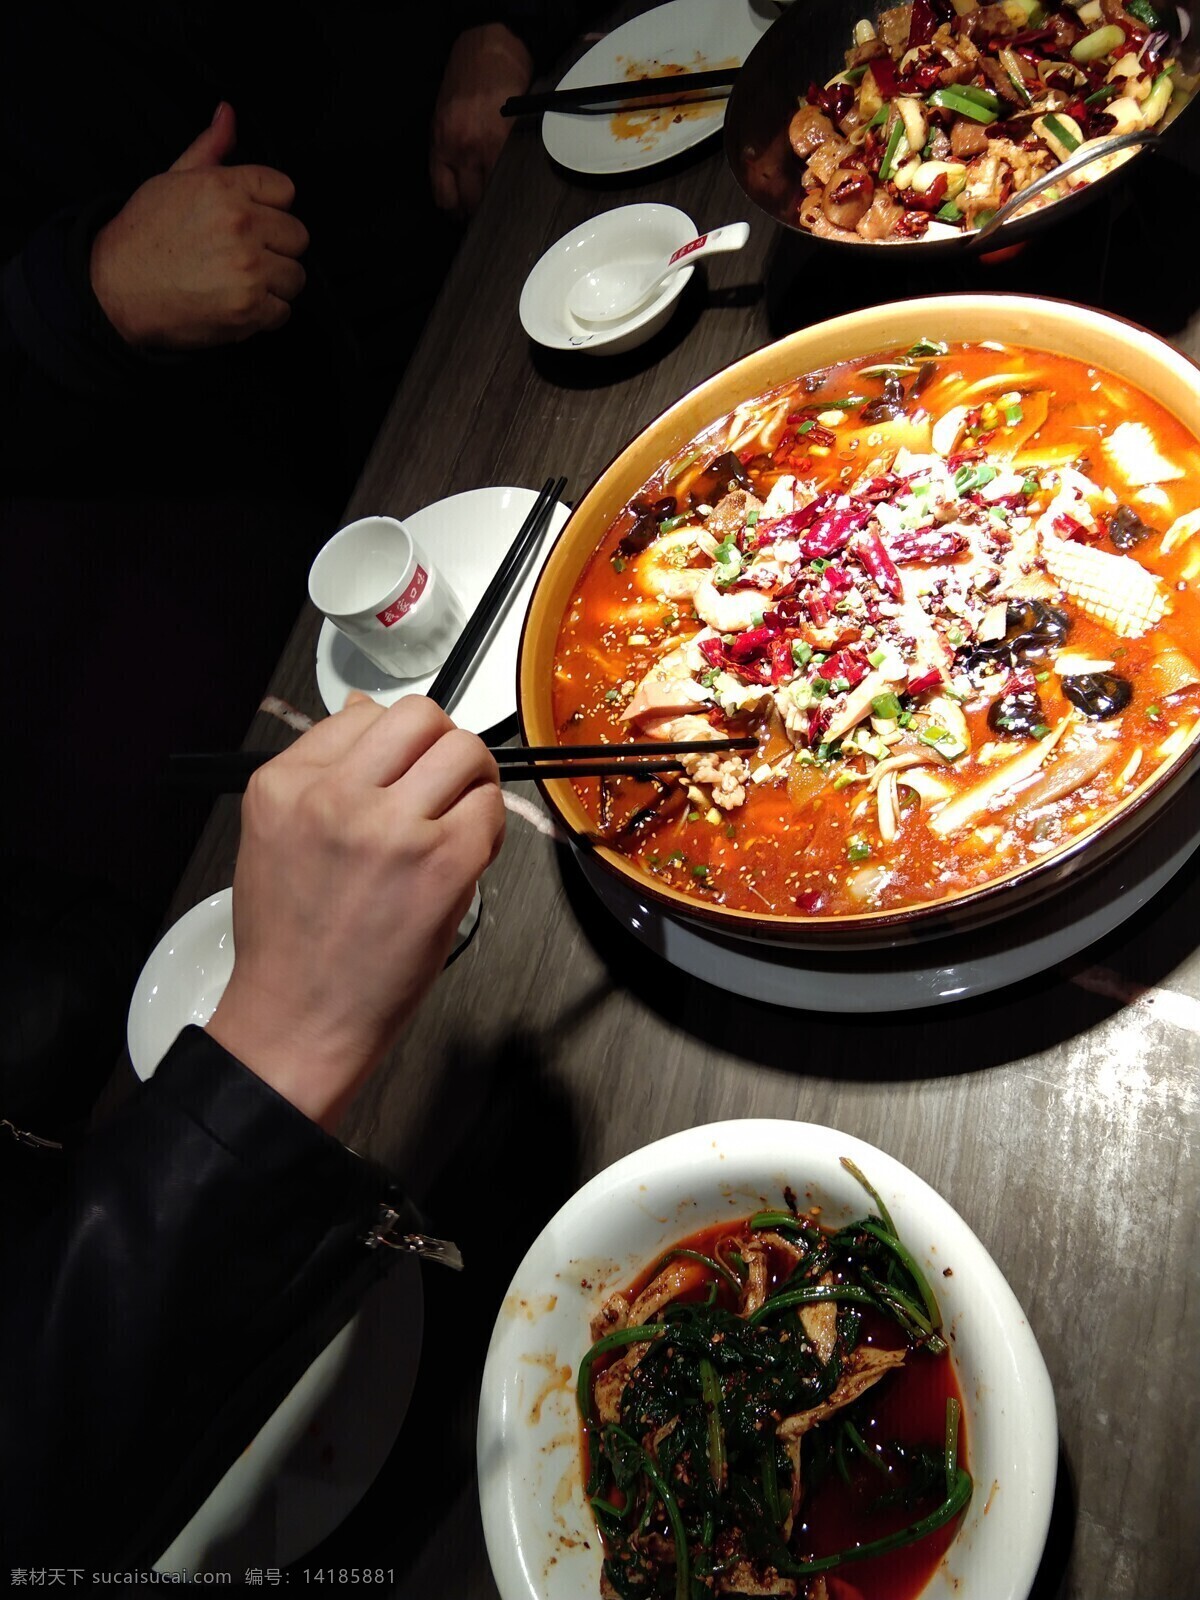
(681, 36)
(763, 1357)
(942, 559)
(921, 122)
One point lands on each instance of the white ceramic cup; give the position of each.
(378, 587)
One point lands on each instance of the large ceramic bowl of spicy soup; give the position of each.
(763, 1358)
(937, 563)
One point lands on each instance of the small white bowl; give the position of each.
(541, 1538)
(643, 234)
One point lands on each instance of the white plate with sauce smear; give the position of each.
(682, 36)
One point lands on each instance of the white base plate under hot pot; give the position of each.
(930, 973)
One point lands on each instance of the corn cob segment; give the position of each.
(1112, 589)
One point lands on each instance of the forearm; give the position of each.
(211, 1242)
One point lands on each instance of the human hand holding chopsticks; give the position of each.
(361, 847)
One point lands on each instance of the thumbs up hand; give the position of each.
(204, 253)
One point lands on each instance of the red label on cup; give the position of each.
(403, 603)
(686, 249)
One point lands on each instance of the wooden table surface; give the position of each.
(1060, 1117)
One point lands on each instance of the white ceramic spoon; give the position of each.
(618, 288)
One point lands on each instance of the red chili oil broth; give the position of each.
(907, 1406)
(787, 849)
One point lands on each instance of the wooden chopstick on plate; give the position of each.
(664, 90)
(229, 771)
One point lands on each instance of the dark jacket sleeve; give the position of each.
(211, 1242)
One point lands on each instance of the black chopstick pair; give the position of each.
(596, 96)
(228, 772)
(454, 668)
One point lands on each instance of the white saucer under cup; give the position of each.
(377, 585)
(469, 534)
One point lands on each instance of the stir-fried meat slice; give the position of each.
(613, 1314)
(869, 50)
(728, 518)
(793, 1447)
(754, 1253)
(745, 1579)
(826, 159)
(610, 1384)
(864, 1368)
(990, 22)
(967, 139)
(893, 26)
(820, 1324)
(1001, 83)
(668, 1285)
(811, 215)
(809, 128)
(881, 216)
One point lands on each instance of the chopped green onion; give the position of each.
(1098, 43)
(613, 696)
(807, 425)
(1154, 712)
(1105, 92)
(1029, 485)
(953, 99)
(1013, 414)
(751, 519)
(949, 212)
(927, 347)
(982, 218)
(888, 165)
(857, 850)
(879, 118)
(693, 816)
(877, 657)
(1040, 730)
(801, 652)
(670, 523)
(845, 779)
(618, 564)
(954, 635)
(1060, 130)
(973, 475)
(676, 859)
(849, 404)
(981, 97)
(700, 871)
(886, 706)
(905, 719)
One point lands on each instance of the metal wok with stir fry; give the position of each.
(735, 1435)
(946, 109)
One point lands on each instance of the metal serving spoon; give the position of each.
(617, 289)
